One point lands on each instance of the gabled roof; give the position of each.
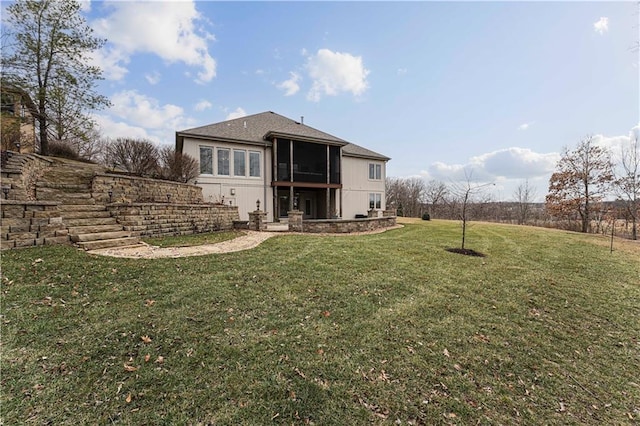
(258, 129)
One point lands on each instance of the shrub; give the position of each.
(62, 150)
(426, 216)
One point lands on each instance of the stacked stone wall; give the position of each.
(31, 223)
(341, 226)
(132, 189)
(157, 219)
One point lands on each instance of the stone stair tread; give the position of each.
(102, 236)
(91, 221)
(85, 214)
(116, 242)
(74, 231)
(80, 208)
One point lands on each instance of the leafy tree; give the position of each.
(48, 57)
(628, 182)
(581, 181)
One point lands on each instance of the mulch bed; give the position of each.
(466, 252)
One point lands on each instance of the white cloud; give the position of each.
(525, 126)
(153, 78)
(290, 86)
(136, 115)
(510, 163)
(601, 26)
(111, 62)
(238, 113)
(118, 129)
(85, 6)
(402, 71)
(202, 105)
(333, 73)
(166, 29)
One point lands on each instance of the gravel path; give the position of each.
(248, 241)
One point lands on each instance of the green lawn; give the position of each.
(385, 329)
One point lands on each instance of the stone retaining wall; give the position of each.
(158, 219)
(133, 189)
(341, 226)
(31, 223)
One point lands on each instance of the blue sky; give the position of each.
(496, 88)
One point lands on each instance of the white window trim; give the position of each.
(217, 162)
(376, 167)
(212, 149)
(259, 165)
(244, 154)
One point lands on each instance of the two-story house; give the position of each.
(285, 165)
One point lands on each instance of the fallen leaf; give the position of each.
(160, 359)
(146, 339)
(149, 302)
(320, 351)
(446, 353)
(326, 313)
(147, 357)
(457, 367)
(130, 368)
(128, 398)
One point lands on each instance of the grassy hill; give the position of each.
(384, 328)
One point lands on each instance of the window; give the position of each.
(223, 162)
(239, 160)
(206, 161)
(375, 201)
(254, 164)
(375, 171)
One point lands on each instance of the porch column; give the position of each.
(328, 205)
(274, 178)
(328, 216)
(340, 181)
(291, 174)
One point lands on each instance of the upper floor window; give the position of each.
(254, 164)
(375, 171)
(223, 162)
(206, 161)
(239, 162)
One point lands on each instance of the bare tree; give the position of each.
(136, 156)
(177, 166)
(582, 179)
(435, 193)
(524, 195)
(466, 192)
(627, 184)
(406, 194)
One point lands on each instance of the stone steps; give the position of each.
(117, 242)
(90, 221)
(80, 208)
(75, 231)
(85, 214)
(96, 236)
